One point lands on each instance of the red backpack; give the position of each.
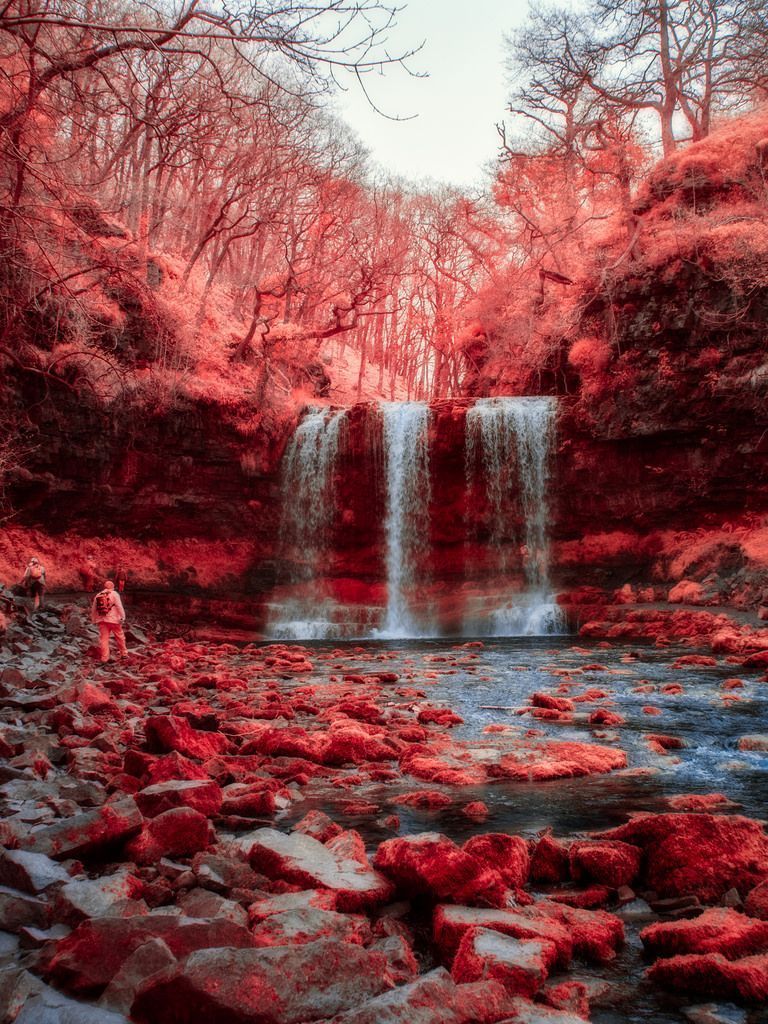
(103, 602)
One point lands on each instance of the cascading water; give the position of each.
(307, 519)
(503, 434)
(406, 459)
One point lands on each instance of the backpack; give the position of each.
(103, 602)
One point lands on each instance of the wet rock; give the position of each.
(508, 855)
(201, 795)
(521, 966)
(340, 866)
(698, 854)
(176, 832)
(757, 742)
(30, 872)
(427, 799)
(148, 959)
(715, 1013)
(451, 923)
(87, 834)
(87, 960)
(547, 700)
(569, 996)
(719, 930)
(251, 800)
(711, 974)
(609, 863)
(282, 985)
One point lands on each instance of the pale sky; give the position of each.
(457, 106)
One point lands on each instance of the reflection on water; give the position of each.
(488, 684)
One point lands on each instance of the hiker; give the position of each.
(108, 613)
(89, 573)
(121, 575)
(33, 581)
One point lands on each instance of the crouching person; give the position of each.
(108, 613)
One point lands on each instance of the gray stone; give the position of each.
(18, 909)
(99, 897)
(145, 961)
(51, 1007)
(31, 872)
(88, 833)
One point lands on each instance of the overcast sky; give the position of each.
(457, 106)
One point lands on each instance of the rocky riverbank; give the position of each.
(177, 841)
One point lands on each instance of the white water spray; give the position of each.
(503, 434)
(406, 455)
(308, 506)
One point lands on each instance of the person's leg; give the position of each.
(104, 640)
(122, 650)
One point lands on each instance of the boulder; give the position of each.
(430, 864)
(701, 855)
(549, 860)
(144, 961)
(30, 872)
(167, 732)
(508, 855)
(87, 834)
(451, 923)
(282, 985)
(340, 866)
(180, 831)
(608, 863)
(756, 903)
(713, 975)
(718, 930)
(520, 965)
(434, 998)
(99, 897)
(294, 927)
(86, 960)
(203, 795)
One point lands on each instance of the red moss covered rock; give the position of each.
(167, 732)
(520, 965)
(610, 863)
(432, 865)
(179, 832)
(340, 865)
(549, 860)
(273, 986)
(718, 930)
(701, 855)
(508, 855)
(201, 795)
(451, 923)
(87, 959)
(756, 903)
(714, 976)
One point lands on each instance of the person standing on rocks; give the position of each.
(33, 581)
(109, 615)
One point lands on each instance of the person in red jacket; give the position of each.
(108, 613)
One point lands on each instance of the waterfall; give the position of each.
(308, 507)
(512, 440)
(406, 460)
